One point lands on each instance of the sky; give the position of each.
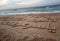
(9, 4)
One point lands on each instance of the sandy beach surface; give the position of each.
(30, 27)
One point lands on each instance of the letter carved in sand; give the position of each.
(50, 28)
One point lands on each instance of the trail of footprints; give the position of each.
(28, 24)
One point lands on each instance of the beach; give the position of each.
(30, 27)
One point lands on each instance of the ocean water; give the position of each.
(34, 10)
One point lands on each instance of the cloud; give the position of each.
(26, 3)
(35, 2)
(3, 2)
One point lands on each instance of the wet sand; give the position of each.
(30, 27)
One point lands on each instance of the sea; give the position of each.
(32, 10)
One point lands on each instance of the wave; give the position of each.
(31, 13)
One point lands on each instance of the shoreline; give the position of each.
(30, 14)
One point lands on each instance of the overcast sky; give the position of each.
(7, 4)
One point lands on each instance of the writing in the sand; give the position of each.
(34, 23)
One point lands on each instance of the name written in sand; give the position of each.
(38, 23)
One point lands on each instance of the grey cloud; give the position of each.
(13, 3)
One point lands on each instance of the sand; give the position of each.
(30, 27)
